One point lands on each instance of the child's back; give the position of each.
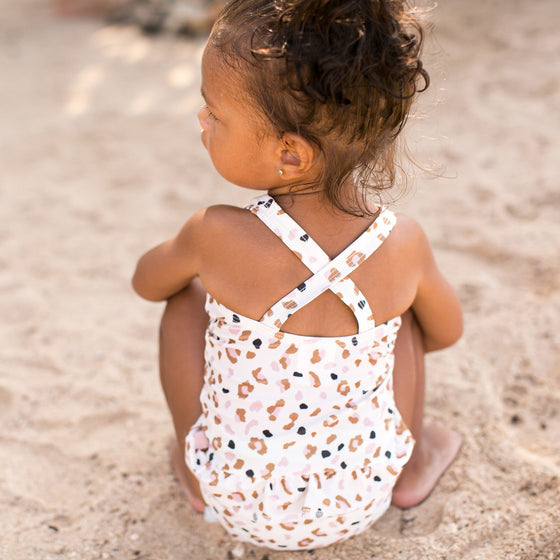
(299, 441)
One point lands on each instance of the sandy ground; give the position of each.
(100, 159)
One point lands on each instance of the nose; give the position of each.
(203, 118)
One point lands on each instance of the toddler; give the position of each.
(292, 345)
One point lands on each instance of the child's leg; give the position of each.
(181, 363)
(436, 444)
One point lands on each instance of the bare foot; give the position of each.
(439, 447)
(186, 479)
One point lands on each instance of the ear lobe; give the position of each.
(298, 154)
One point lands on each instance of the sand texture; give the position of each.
(100, 159)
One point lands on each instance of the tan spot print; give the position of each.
(232, 354)
(239, 464)
(316, 380)
(318, 533)
(285, 383)
(285, 488)
(316, 358)
(216, 443)
(236, 497)
(310, 450)
(243, 389)
(274, 344)
(272, 410)
(342, 502)
(288, 444)
(305, 542)
(250, 354)
(353, 419)
(345, 354)
(355, 442)
(331, 438)
(343, 388)
(241, 414)
(269, 469)
(283, 362)
(293, 418)
(292, 349)
(332, 422)
(287, 526)
(392, 470)
(258, 445)
(333, 274)
(355, 258)
(290, 304)
(256, 373)
(245, 335)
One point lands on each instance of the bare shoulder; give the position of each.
(408, 234)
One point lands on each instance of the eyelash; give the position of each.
(211, 115)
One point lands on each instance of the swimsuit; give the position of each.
(300, 443)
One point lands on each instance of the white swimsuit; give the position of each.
(300, 442)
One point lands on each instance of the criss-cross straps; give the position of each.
(327, 274)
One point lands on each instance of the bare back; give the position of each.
(247, 268)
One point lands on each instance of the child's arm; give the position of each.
(436, 305)
(168, 268)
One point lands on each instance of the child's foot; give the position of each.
(440, 446)
(186, 479)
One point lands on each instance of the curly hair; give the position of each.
(341, 73)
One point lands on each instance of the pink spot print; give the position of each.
(229, 429)
(256, 406)
(284, 462)
(299, 395)
(250, 425)
(229, 456)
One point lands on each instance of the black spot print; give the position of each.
(377, 478)
(250, 473)
(354, 341)
(231, 444)
(372, 434)
(355, 523)
(270, 486)
(257, 343)
(325, 453)
(319, 513)
(267, 433)
(340, 446)
(211, 456)
(334, 376)
(198, 462)
(361, 304)
(268, 203)
(304, 237)
(236, 318)
(302, 287)
(390, 410)
(303, 406)
(224, 390)
(343, 465)
(301, 489)
(298, 374)
(301, 431)
(364, 391)
(388, 454)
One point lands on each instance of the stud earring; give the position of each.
(280, 172)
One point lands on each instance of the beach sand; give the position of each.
(100, 159)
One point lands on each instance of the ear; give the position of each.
(298, 155)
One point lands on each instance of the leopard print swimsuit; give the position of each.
(300, 442)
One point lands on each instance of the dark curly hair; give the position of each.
(340, 73)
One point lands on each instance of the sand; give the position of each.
(100, 159)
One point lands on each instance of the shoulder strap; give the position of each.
(329, 274)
